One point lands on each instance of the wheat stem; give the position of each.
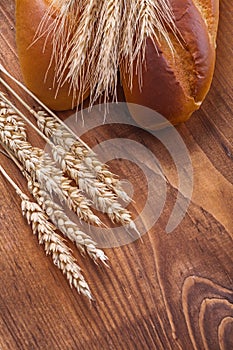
(24, 88)
(77, 60)
(53, 244)
(10, 180)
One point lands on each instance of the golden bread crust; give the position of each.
(35, 57)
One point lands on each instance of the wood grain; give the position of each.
(171, 291)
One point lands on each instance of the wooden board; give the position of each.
(169, 291)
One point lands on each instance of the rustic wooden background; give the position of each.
(168, 292)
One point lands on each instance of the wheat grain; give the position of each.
(61, 136)
(53, 244)
(84, 242)
(104, 200)
(9, 117)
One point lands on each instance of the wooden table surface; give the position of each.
(169, 291)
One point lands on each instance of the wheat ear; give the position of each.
(79, 48)
(89, 162)
(65, 17)
(53, 244)
(105, 55)
(56, 214)
(83, 242)
(12, 119)
(41, 167)
(79, 148)
(62, 136)
(103, 199)
(128, 20)
(120, 29)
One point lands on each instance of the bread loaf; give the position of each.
(35, 52)
(175, 84)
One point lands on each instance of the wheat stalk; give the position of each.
(104, 199)
(53, 244)
(57, 215)
(41, 168)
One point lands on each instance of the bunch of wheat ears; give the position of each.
(92, 39)
(94, 185)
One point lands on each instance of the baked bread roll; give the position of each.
(175, 84)
(35, 52)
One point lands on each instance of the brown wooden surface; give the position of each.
(169, 292)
